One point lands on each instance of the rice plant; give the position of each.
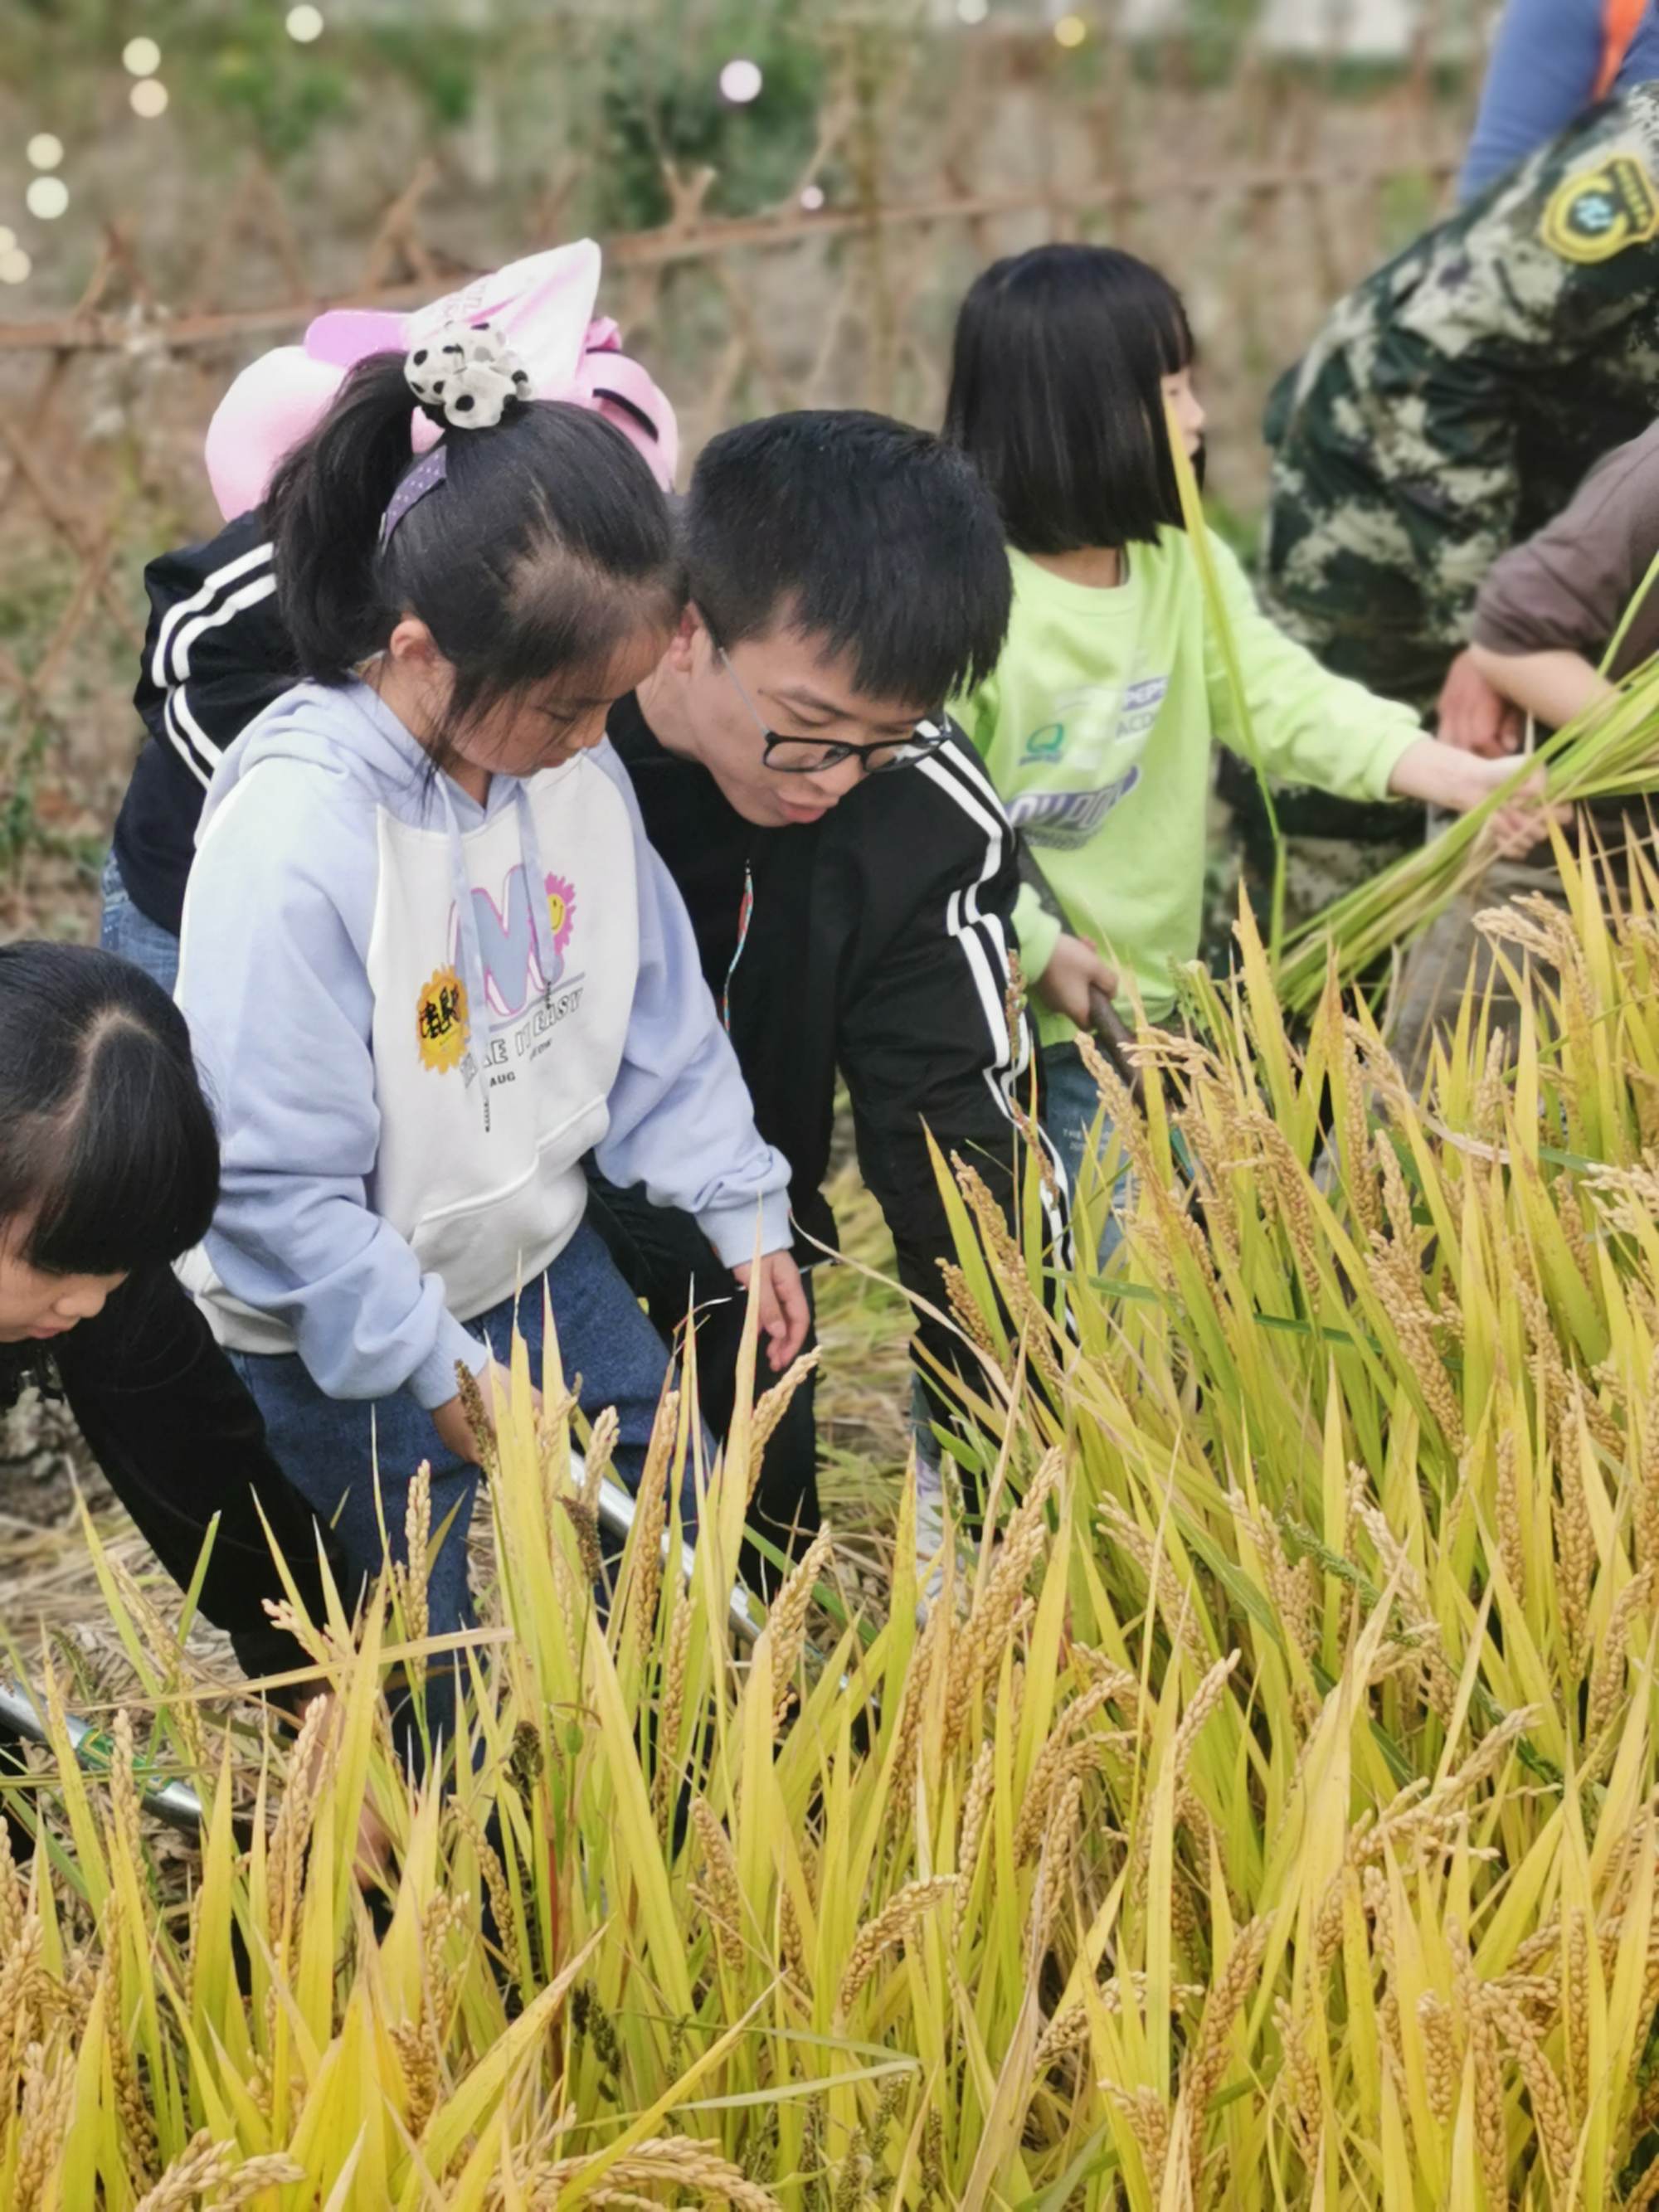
(1263, 1815)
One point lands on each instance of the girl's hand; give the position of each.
(1523, 820)
(1459, 781)
(1073, 970)
(784, 1315)
(455, 1431)
(450, 1420)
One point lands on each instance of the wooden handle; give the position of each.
(1114, 1041)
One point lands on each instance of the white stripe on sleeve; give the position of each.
(188, 740)
(245, 564)
(971, 931)
(238, 603)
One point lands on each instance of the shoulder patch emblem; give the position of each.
(1597, 212)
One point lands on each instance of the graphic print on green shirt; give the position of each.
(1097, 729)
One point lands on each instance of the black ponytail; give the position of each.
(547, 545)
(108, 1157)
(324, 510)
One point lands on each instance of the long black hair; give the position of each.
(109, 1161)
(1056, 394)
(548, 544)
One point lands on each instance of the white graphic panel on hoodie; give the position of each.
(487, 1186)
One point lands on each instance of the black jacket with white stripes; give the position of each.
(877, 946)
(216, 655)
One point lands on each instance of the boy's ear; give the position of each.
(682, 654)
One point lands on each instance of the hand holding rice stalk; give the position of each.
(1610, 751)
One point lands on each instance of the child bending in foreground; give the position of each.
(109, 1166)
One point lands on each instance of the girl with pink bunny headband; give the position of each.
(216, 650)
(429, 960)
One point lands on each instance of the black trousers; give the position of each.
(671, 1264)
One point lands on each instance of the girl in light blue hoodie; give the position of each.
(429, 960)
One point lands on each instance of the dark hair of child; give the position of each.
(109, 1161)
(548, 544)
(876, 538)
(1056, 395)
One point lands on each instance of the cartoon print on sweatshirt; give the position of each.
(520, 978)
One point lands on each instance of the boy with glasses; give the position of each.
(849, 870)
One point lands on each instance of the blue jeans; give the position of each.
(134, 935)
(1071, 1103)
(330, 1449)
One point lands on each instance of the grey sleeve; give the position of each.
(1566, 588)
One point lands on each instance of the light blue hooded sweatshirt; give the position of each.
(415, 1015)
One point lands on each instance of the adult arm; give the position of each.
(1549, 610)
(179, 1440)
(1553, 688)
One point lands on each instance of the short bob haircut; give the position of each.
(875, 538)
(109, 1161)
(1056, 395)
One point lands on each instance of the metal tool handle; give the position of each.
(179, 1806)
(744, 1614)
(94, 1750)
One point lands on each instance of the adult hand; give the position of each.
(1474, 715)
(1073, 968)
(784, 1317)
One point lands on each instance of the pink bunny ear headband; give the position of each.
(540, 314)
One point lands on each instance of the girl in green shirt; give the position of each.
(1098, 726)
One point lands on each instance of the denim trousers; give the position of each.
(669, 1262)
(1071, 1103)
(337, 1450)
(133, 935)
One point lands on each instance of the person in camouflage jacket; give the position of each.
(1449, 407)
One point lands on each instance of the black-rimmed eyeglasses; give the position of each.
(798, 755)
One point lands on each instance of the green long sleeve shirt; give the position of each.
(1097, 728)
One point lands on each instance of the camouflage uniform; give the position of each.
(1448, 409)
